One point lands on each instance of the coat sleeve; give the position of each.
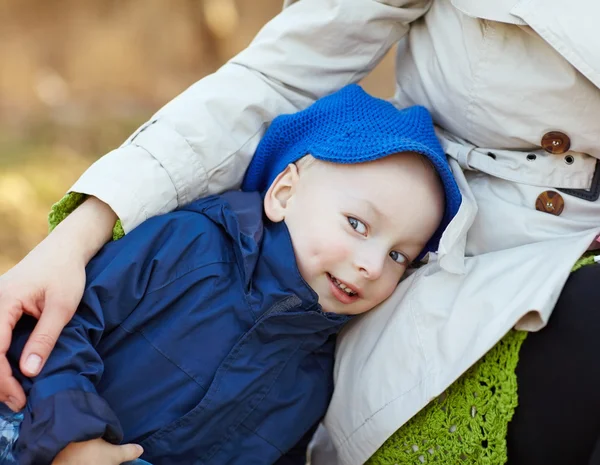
(63, 404)
(202, 141)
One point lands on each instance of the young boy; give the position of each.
(207, 335)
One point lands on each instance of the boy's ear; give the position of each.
(280, 192)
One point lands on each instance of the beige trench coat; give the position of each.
(497, 76)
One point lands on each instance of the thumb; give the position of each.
(127, 452)
(44, 336)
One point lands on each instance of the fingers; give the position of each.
(126, 452)
(9, 315)
(11, 392)
(43, 338)
(97, 452)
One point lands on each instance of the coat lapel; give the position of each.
(569, 27)
(494, 10)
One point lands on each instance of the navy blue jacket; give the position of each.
(196, 337)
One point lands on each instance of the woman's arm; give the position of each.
(202, 141)
(198, 144)
(48, 284)
(63, 404)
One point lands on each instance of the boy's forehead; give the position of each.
(389, 165)
(382, 184)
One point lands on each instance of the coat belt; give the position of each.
(570, 170)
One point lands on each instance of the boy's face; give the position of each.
(355, 228)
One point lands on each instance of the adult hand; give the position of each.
(48, 285)
(97, 452)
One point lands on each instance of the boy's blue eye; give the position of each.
(357, 225)
(398, 257)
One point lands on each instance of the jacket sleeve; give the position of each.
(63, 404)
(201, 142)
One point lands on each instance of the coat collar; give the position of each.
(240, 216)
(494, 10)
(568, 27)
(265, 253)
(277, 254)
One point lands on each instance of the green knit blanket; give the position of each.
(467, 424)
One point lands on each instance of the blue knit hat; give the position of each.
(350, 126)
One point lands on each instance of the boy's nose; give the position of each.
(370, 265)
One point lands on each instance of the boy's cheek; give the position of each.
(337, 250)
(326, 255)
(388, 289)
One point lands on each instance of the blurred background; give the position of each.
(76, 78)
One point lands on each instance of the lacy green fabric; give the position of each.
(65, 206)
(467, 424)
(586, 259)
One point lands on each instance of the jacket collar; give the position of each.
(494, 10)
(277, 254)
(240, 216)
(568, 27)
(260, 239)
(265, 253)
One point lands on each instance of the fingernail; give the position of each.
(140, 448)
(33, 363)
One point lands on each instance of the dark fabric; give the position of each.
(61, 417)
(557, 421)
(297, 455)
(196, 337)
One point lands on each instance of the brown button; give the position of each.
(556, 142)
(550, 202)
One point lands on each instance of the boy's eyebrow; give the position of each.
(372, 206)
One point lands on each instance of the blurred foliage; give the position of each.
(78, 77)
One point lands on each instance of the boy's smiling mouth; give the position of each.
(343, 292)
